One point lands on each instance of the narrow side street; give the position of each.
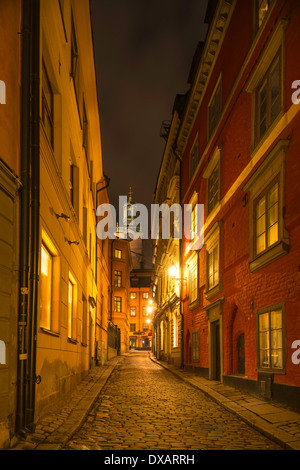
(144, 407)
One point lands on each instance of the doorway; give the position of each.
(215, 351)
(241, 353)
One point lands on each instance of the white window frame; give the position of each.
(212, 245)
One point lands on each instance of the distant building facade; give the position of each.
(141, 309)
(167, 286)
(121, 266)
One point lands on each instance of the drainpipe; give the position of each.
(24, 215)
(35, 215)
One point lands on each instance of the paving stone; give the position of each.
(142, 406)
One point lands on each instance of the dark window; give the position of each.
(85, 129)
(268, 98)
(132, 327)
(262, 7)
(213, 189)
(132, 311)
(72, 179)
(118, 304)
(214, 110)
(195, 346)
(74, 49)
(194, 158)
(47, 106)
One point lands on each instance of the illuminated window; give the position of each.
(145, 295)
(118, 304)
(269, 238)
(162, 335)
(133, 295)
(262, 7)
(270, 338)
(266, 218)
(118, 278)
(46, 281)
(132, 311)
(175, 330)
(70, 308)
(194, 222)
(145, 326)
(213, 267)
(118, 254)
(213, 277)
(47, 106)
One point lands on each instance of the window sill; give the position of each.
(271, 372)
(84, 345)
(49, 332)
(73, 341)
(280, 249)
(194, 304)
(213, 291)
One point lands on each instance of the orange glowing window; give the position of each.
(46, 287)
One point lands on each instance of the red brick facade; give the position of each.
(251, 170)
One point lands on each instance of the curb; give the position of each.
(259, 424)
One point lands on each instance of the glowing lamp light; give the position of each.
(148, 320)
(172, 271)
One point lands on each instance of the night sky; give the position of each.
(143, 52)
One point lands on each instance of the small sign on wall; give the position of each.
(2, 352)
(2, 92)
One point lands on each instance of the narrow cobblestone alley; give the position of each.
(143, 407)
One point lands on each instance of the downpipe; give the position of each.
(35, 216)
(24, 215)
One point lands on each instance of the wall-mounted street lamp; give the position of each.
(173, 273)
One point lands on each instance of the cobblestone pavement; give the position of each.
(144, 407)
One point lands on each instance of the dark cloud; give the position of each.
(143, 52)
